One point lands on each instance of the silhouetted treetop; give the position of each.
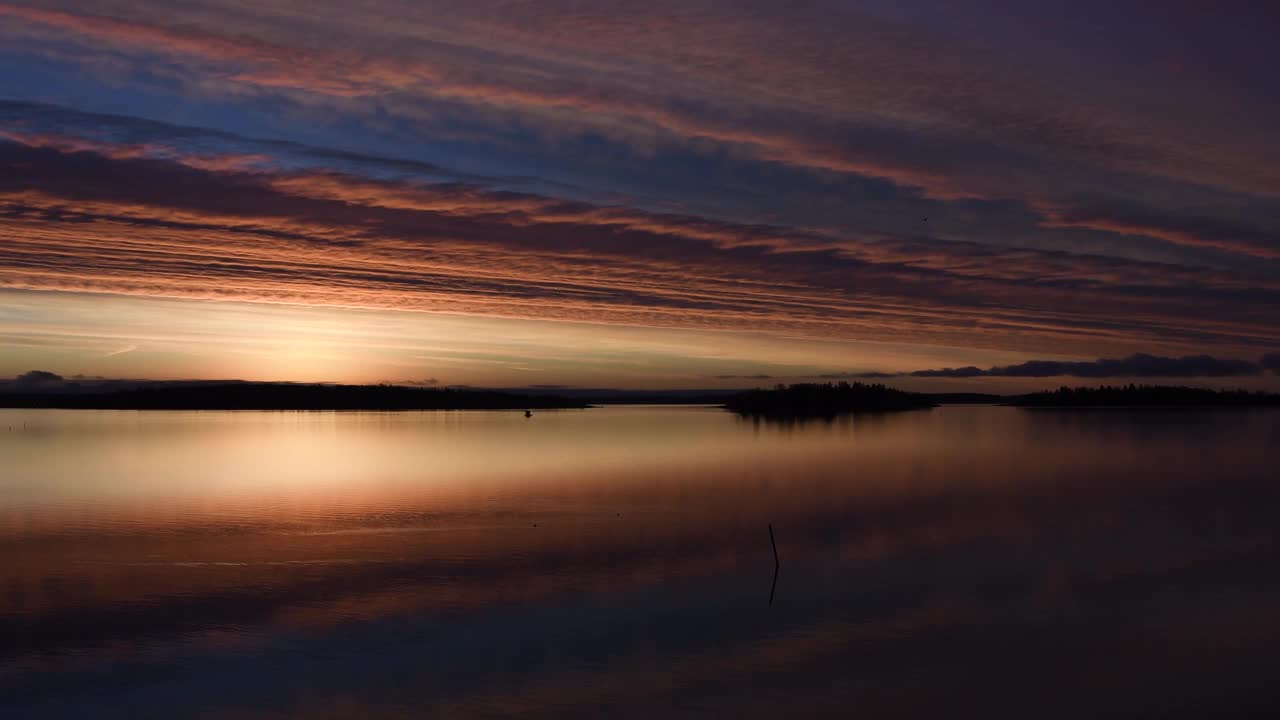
(825, 400)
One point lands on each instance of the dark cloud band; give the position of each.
(1139, 365)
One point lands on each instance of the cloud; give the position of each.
(1173, 227)
(1271, 361)
(182, 231)
(810, 170)
(818, 87)
(744, 377)
(1139, 365)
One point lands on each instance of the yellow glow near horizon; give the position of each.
(126, 337)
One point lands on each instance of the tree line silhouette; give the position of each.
(289, 396)
(825, 400)
(1145, 396)
(804, 400)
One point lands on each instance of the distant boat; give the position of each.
(528, 413)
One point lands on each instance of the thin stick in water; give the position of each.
(776, 565)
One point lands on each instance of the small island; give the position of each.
(1145, 396)
(825, 400)
(286, 396)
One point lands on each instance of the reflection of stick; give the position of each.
(776, 565)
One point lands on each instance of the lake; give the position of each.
(955, 561)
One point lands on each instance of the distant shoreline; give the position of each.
(287, 397)
(1144, 397)
(800, 401)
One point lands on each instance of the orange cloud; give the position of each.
(328, 239)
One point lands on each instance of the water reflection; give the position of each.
(367, 564)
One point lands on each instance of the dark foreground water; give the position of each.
(964, 560)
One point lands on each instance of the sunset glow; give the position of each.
(629, 195)
(639, 359)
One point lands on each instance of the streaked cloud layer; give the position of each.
(1139, 365)
(998, 183)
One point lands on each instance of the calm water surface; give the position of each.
(368, 565)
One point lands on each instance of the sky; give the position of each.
(989, 195)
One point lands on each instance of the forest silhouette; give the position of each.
(289, 396)
(1145, 396)
(820, 400)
